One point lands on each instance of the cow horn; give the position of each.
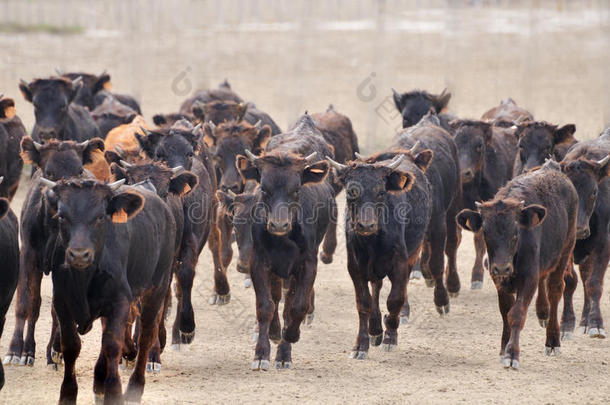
(197, 128)
(336, 165)
(311, 157)
(146, 131)
(119, 150)
(126, 164)
(23, 83)
(37, 145)
(77, 81)
(359, 156)
(395, 92)
(396, 162)
(59, 71)
(115, 186)
(258, 124)
(212, 126)
(47, 182)
(231, 194)
(478, 204)
(84, 143)
(1, 179)
(522, 203)
(251, 156)
(603, 162)
(177, 169)
(415, 147)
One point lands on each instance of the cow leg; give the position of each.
(542, 302)
(176, 325)
(425, 262)
(275, 328)
(264, 313)
(568, 319)
(29, 276)
(405, 311)
(516, 320)
(312, 307)
(556, 287)
(438, 236)
(330, 238)
(29, 347)
(225, 227)
(296, 309)
(70, 347)
(375, 328)
(150, 318)
(363, 305)
(594, 286)
(222, 294)
(585, 268)
(396, 299)
(54, 355)
(451, 247)
(185, 275)
(113, 337)
(505, 301)
(154, 356)
(476, 281)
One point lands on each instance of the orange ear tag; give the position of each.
(9, 112)
(119, 217)
(186, 189)
(107, 86)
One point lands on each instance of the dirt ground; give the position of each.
(552, 59)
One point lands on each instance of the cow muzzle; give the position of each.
(583, 232)
(365, 228)
(278, 228)
(79, 258)
(467, 175)
(501, 270)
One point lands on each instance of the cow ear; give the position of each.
(129, 118)
(262, 138)
(455, 124)
(118, 171)
(183, 184)
(102, 83)
(7, 108)
(209, 135)
(26, 91)
(470, 220)
(423, 159)
(225, 199)
(440, 102)
(315, 173)
(112, 156)
(247, 169)
(29, 153)
(159, 120)
(398, 100)
(532, 216)
(124, 206)
(198, 110)
(4, 207)
(148, 142)
(603, 169)
(95, 144)
(242, 108)
(564, 133)
(75, 87)
(399, 181)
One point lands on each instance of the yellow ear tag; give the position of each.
(9, 112)
(119, 217)
(186, 189)
(107, 86)
(402, 181)
(316, 170)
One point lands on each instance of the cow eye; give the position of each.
(100, 218)
(479, 148)
(190, 154)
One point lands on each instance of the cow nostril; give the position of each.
(583, 233)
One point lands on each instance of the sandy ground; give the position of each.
(553, 61)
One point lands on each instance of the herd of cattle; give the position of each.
(118, 208)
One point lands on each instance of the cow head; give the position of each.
(111, 114)
(218, 111)
(472, 138)
(281, 177)
(413, 105)
(166, 181)
(537, 142)
(7, 108)
(176, 147)
(229, 140)
(586, 175)
(92, 84)
(502, 222)
(84, 210)
(51, 99)
(167, 120)
(60, 159)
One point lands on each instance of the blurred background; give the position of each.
(288, 56)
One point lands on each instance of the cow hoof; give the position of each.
(582, 330)
(404, 319)
(430, 283)
(375, 340)
(187, 337)
(510, 363)
(358, 355)
(176, 347)
(326, 259)
(279, 365)
(223, 299)
(596, 333)
(99, 399)
(8, 359)
(152, 367)
(454, 294)
(260, 365)
(53, 366)
(476, 285)
(247, 281)
(416, 275)
(443, 309)
(26, 360)
(552, 350)
(542, 322)
(16, 360)
(388, 347)
(57, 357)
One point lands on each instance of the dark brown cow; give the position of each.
(587, 165)
(111, 114)
(219, 111)
(414, 105)
(530, 231)
(539, 140)
(506, 114)
(11, 132)
(338, 131)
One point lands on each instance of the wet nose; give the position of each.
(278, 228)
(231, 187)
(583, 233)
(47, 133)
(501, 269)
(79, 258)
(365, 228)
(467, 175)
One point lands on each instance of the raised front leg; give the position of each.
(476, 280)
(363, 306)
(505, 302)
